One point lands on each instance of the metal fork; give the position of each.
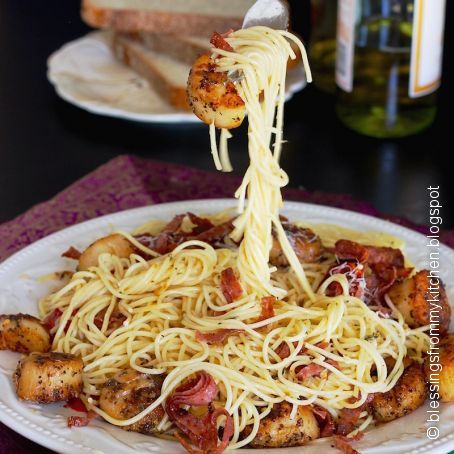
(269, 13)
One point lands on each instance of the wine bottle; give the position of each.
(322, 44)
(388, 64)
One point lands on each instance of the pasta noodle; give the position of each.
(166, 299)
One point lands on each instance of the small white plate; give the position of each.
(20, 290)
(85, 72)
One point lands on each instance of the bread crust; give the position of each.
(128, 20)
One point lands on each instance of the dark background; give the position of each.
(46, 144)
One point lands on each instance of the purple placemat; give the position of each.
(130, 182)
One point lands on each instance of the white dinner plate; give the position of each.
(20, 290)
(85, 72)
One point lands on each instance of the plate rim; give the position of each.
(288, 205)
(42, 436)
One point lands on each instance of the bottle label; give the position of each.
(426, 47)
(345, 47)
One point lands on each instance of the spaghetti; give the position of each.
(164, 302)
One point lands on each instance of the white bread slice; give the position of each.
(185, 48)
(188, 17)
(166, 75)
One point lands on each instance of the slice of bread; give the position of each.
(166, 75)
(188, 17)
(181, 47)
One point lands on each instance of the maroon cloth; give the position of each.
(129, 182)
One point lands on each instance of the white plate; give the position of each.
(86, 73)
(46, 425)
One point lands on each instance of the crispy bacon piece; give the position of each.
(348, 417)
(174, 225)
(346, 249)
(354, 273)
(333, 363)
(210, 422)
(328, 428)
(76, 404)
(167, 240)
(216, 337)
(77, 421)
(314, 370)
(201, 224)
(381, 279)
(323, 345)
(166, 243)
(383, 266)
(216, 233)
(344, 444)
(334, 289)
(283, 350)
(200, 430)
(319, 411)
(267, 304)
(325, 421)
(171, 236)
(162, 243)
(311, 370)
(385, 256)
(389, 274)
(230, 285)
(51, 320)
(115, 321)
(218, 41)
(72, 253)
(81, 421)
(198, 391)
(305, 243)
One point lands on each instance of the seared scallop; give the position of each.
(441, 370)
(306, 244)
(277, 430)
(48, 377)
(412, 297)
(115, 244)
(130, 392)
(213, 98)
(406, 396)
(23, 333)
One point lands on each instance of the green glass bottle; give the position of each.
(388, 65)
(322, 44)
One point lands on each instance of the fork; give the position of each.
(268, 13)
